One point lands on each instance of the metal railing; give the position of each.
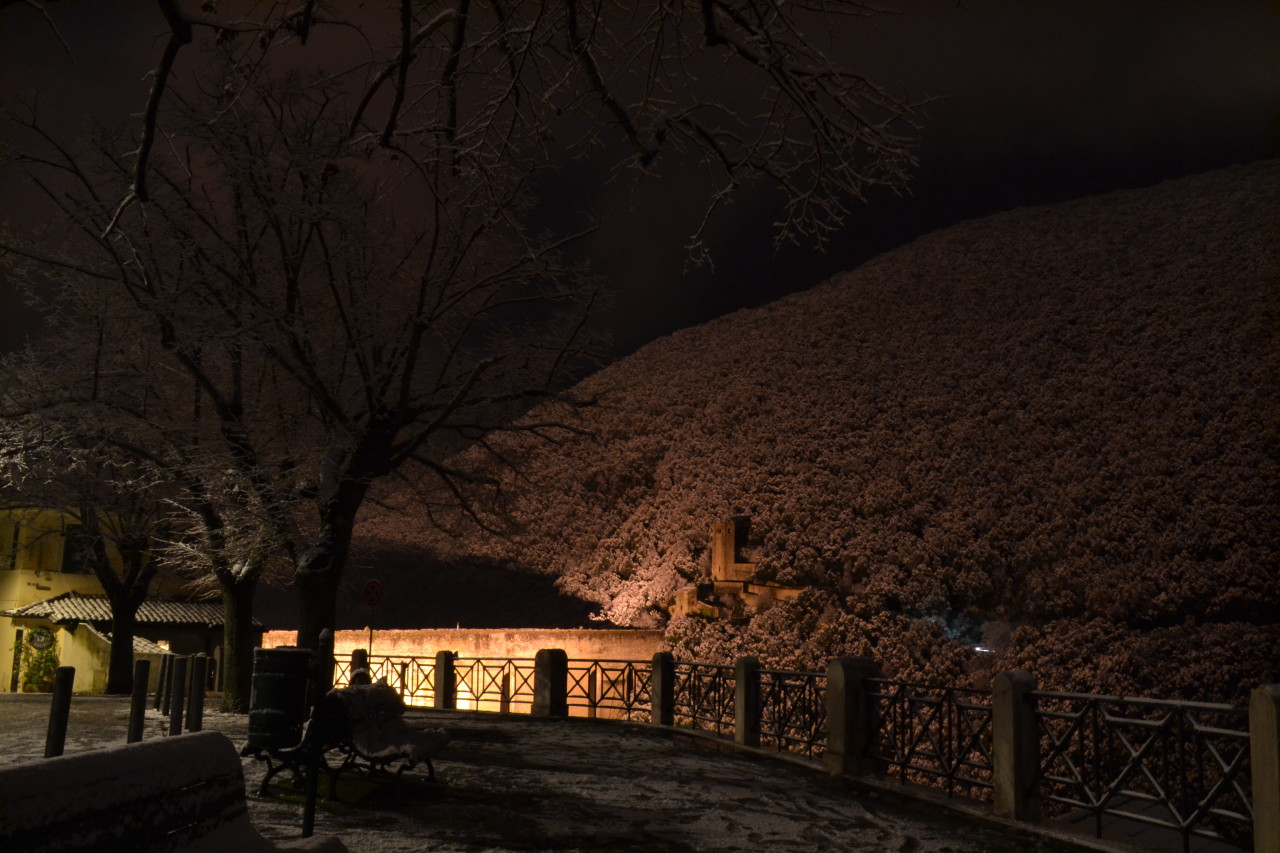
(616, 689)
(1183, 766)
(494, 684)
(704, 696)
(793, 710)
(939, 736)
(1178, 765)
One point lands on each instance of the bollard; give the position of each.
(138, 705)
(179, 682)
(167, 701)
(195, 700)
(161, 677)
(56, 737)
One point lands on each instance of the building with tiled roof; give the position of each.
(72, 607)
(43, 592)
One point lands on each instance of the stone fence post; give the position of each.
(446, 682)
(662, 687)
(1264, 758)
(359, 672)
(550, 684)
(746, 702)
(1015, 746)
(851, 716)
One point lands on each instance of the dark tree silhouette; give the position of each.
(321, 217)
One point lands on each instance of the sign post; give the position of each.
(372, 597)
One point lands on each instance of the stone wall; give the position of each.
(578, 643)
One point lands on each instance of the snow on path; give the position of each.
(516, 784)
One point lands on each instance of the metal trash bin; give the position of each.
(278, 699)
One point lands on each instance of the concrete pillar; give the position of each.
(1264, 758)
(746, 701)
(662, 690)
(550, 684)
(359, 672)
(1015, 746)
(446, 698)
(852, 716)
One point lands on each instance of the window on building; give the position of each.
(77, 551)
(9, 531)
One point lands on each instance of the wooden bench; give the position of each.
(365, 723)
(177, 795)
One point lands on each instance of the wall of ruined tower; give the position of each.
(578, 644)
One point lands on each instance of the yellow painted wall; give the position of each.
(30, 571)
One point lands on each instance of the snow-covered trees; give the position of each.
(1054, 419)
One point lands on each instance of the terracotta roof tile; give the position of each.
(72, 607)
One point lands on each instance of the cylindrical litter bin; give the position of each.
(278, 700)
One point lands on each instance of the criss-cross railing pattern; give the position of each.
(494, 684)
(793, 710)
(413, 677)
(617, 689)
(940, 736)
(704, 696)
(341, 670)
(1181, 765)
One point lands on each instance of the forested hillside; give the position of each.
(1051, 432)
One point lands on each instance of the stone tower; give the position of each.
(727, 538)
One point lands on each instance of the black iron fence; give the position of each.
(704, 697)
(937, 736)
(616, 689)
(1179, 765)
(793, 711)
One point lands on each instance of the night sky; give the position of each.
(1032, 103)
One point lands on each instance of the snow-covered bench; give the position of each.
(171, 794)
(366, 724)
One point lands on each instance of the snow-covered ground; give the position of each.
(518, 784)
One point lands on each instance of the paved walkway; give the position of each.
(518, 784)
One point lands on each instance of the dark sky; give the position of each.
(1035, 102)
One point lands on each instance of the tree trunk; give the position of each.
(238, 638)
(317, 599)
(319, 572)
(124, 621)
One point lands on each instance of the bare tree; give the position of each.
(334, 206)
(114, 510)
